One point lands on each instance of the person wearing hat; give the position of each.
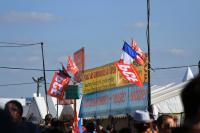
(142, 122)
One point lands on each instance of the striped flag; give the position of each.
(128, 54)
(140, 57)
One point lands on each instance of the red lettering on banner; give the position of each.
(95, 101)
(118, 97)
(138, 95)
(130, 73)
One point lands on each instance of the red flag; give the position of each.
(140, 54)
(75, 128)
(79, 59)
(56, 89)
(71, 66)
(130, 73)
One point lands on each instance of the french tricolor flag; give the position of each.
(128, 54)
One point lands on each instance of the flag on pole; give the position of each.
(79, 59)
(75, 128)
(60, 79)
(140, 57)
(125, 66)
(126, 59)
(129, 50)
(128, 54)
(130, 73)
(71, 66)
(80, 125)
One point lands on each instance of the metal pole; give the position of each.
(38, 86)
(57, 108)
(38, 81)
(199, 67)
(45, 85)
(75, 113)
(149, 56)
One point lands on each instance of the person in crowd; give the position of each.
(56, 123)
(109, 128)
(190, 97)
(48, 119)
(15, 111)
(90, 127)
(165, 123)
(57, 126)
(99, 127)
(6, 124)
(125, 130)
(46, 123)
(142, 122)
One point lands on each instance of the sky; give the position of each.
(100, 26)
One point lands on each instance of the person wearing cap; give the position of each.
(142, 122)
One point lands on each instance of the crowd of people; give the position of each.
(11, 120)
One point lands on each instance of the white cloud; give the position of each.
(143, 24)
(15, 16)
(62, 59)
(140, 24)
(177, 52)
(34, 59)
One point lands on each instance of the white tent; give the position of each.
(37, 109)
(188, 75)
(166, 99)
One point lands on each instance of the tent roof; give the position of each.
(166, 92)
(188, 75)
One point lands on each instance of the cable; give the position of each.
(14, 84)
(27, 69)
(163, 68)
(19, 43)
(17, 84)
(12, 44)
(36, 69)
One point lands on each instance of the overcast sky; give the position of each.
(100, 26)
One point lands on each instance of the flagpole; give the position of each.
(45, 84)
(199, 66)
(74, 83)
(149, 56)
(57, 108)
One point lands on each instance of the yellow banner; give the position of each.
(99, 78)
(106, 77)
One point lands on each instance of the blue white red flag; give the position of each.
(140, 58)
(126, 59)
(128, 54)
(129, 50)
(125, 66)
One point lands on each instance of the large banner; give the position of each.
(116, 101)
(99, 78)
(107, 77)
(79, 59)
